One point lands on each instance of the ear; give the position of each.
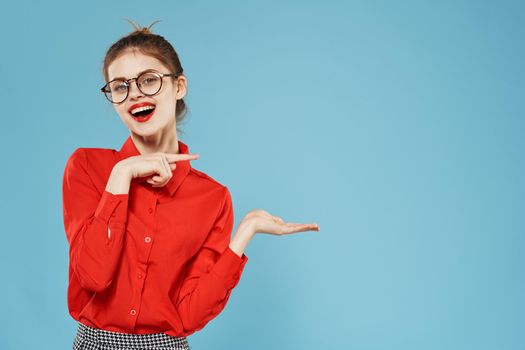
(180, 87)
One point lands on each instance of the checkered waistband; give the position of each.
(131, 341)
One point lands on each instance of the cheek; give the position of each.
(121, 112)
(166, 106)
(124, 116)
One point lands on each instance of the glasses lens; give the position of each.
(149, 83)
(117, 90)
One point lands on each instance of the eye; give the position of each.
(120, 87)
(149, 80)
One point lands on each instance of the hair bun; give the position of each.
(139, 29)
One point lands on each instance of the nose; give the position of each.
(134, 90)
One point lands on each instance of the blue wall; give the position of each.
(397, 126)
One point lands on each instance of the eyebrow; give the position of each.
(147, 70)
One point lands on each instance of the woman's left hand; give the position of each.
(260, 221)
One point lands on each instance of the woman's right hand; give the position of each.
(156, 166)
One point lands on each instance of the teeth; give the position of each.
(143, 108)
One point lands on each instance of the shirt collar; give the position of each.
(129, 149)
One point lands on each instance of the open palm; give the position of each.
(264, 222)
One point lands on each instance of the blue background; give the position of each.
(397, 126)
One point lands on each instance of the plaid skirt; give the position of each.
(89, 338)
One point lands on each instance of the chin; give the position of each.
(145, 131)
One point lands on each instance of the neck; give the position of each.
(161, 142)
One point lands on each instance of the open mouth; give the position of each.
(143, 113)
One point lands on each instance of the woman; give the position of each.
(151, 260)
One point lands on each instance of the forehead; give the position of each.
(131, 63)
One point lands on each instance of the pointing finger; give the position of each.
(176, 157)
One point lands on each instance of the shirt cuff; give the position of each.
(229, 267)
(114, 206)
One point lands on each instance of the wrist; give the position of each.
(242, 237)
(246, 229)
(121, 171)
(119, 180)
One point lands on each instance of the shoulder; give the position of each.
(90, 155)
(89, 160)
(203, 177)
(76, 160)
(205, 181)
(218, 193)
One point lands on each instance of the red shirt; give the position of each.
(151, 260)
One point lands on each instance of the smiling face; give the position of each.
(162, 121)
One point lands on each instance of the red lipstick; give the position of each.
(142, 117)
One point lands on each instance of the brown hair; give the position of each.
(147, 43)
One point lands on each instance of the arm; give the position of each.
(94, 223)
(212, 274)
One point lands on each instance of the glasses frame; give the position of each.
(105, 89)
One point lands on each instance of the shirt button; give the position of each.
(133, 312)
(150, 210)
(147, 239)
(139, 275)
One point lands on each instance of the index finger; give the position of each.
(175, 157)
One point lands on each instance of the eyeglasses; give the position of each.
(148, 82)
